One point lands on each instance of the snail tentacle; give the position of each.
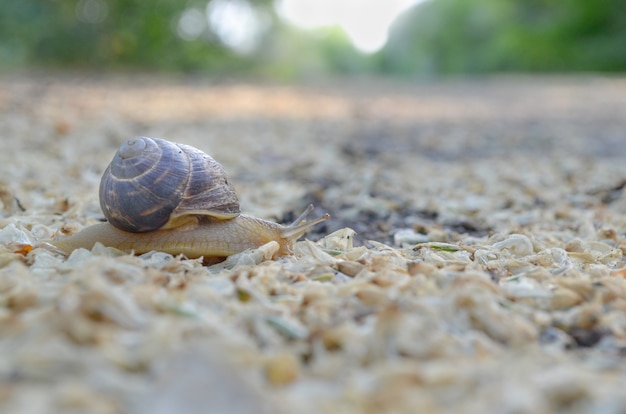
(298, 227)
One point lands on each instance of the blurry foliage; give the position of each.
(290, 53)
(434, 37)
(109, 34)
(460, 36)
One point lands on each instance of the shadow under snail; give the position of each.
(174, 198)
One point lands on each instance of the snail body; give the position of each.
(159, 195)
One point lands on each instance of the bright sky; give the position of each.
(366, 22)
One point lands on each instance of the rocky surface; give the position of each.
(486, 272)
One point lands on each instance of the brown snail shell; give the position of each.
(154, 184)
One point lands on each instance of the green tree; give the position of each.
(110, 33)
(459, 36)
(292, 53)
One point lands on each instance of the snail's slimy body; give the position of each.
(208, 238)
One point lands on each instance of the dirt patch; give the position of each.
(486, 273)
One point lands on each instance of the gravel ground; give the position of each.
(486, 273)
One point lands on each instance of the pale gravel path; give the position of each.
(521, 177)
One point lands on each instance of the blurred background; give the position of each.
(299, 39)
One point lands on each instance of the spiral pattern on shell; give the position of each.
(151, 182)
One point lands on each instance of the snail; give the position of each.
(174, 198)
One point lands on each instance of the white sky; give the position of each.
(366, 22)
